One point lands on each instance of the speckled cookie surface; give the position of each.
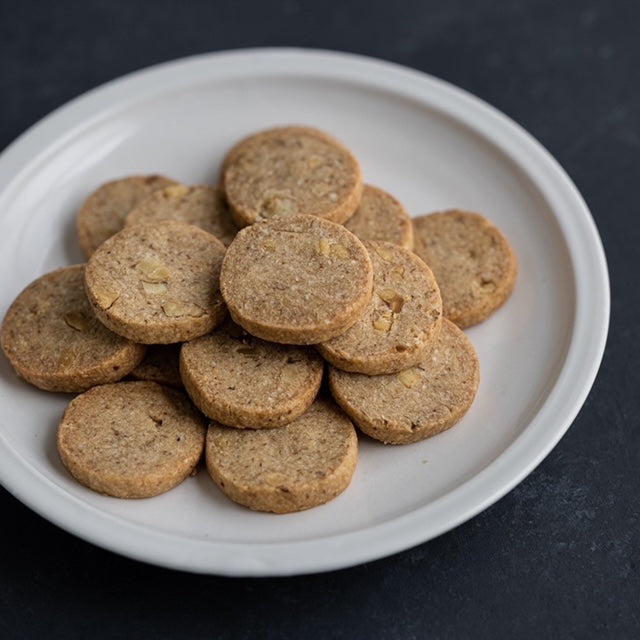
(131, 439)
(160, 364)
(473, 263)
(201, 205)
(54, 341)
(401, 322)
(103, 213)
(416, 403)
(298, 280)
(381, 217)
(242, 381)
(291, 171)
(301, 465)
(157, 283)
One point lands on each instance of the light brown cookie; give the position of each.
(131, 439)
(401, 322)
(157, 283)
(242, 381)
(54, 341)
(381, 217)
(419, 402)
(201, 205)
(291, 171)
(473, 263)
(298, 280)
(103, 213)
(161, 364)
(301, 465)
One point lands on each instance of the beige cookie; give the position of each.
(131, 439)
(401, 322)
(103, 213)
(473, 263)
(381, 217)
(54, 341)
(201, 205)
(298, 280)
(416, 403)
(157, 283)
(160, 364)
(301, 465)
(242, 381)
(291, 171)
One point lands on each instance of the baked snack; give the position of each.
(472, 260)
(131, 439)
(160, 364)
(301, 465)
(53, 340)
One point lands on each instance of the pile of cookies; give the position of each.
(256, 323)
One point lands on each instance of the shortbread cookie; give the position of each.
(472, 260)
(401, 322)
(381, 217)
(157, 283)
(103, 213)
(242, 381)
(298, 280)
(301, 465)
(201, 205)
(54, 341)
(418, 402)
(131, 439)
(291, 171)
(160, 364)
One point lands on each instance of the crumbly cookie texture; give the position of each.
(53, 339)
(291, 171)
(160, 364)
(298, 280)
(473, 262)
(131, 439)
(401, 322)
(242, 381)
(295, 467)
(416, 403)
(103, 213)
(157, 283)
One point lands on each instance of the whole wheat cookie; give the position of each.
(54, 341)
(242, 381)
(160, 364)
(381, 217)
(401, 322)
(416, 403)
(472, 260)
(131, 439)
(157, 283)
(298, 466)
(291, 171)
(201, 205)
(297, 280)
(103, 213)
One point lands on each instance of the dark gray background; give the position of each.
(558, 556)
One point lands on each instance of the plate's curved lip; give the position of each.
(561, 406)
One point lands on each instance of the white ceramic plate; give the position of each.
(430, 144)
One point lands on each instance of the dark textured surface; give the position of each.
(558, 556)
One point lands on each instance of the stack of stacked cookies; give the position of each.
(206, 317)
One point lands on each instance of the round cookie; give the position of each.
(131, 439)
(297, 280)
(401, 322)
(381, 217)
(242, 381)
(103, 213)
(416, 403)
(53, 340)
(201, 205)
(161, 364)
(291, 171)
(157, 283)
(301, 465)
(473, 263)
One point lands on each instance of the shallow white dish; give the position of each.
(428, 143)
